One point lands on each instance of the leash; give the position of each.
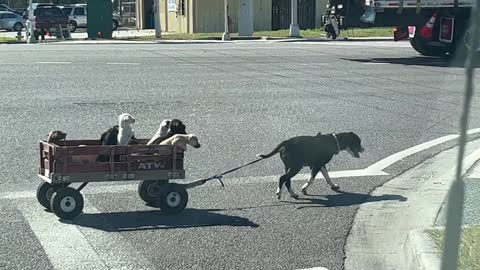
(220, 176)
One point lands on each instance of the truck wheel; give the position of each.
(421, 46)
(44, 194)
(149, 190)
(73, 26)
(67, 203)
(114, 25)
(173, 198)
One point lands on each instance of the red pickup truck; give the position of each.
(51, 20)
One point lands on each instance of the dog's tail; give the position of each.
(274, 151)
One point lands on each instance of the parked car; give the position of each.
(6, 8)
(49, 19)
(78, 17)
(11, 21)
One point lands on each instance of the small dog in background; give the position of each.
(56, 136)
(181, 141)
(125, 131)
(315, 152)
(174, 127)
(161, 132)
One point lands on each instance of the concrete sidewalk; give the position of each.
(391, 234)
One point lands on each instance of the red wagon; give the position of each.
(75, 161)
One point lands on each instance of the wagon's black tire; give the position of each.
(45, 192)
(173, 199)
(67, 203)
(149, 190)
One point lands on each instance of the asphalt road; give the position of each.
(241, 99)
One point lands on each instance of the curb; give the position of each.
(420, 252)
(391, 235)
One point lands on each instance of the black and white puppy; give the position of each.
(315, 152)
(109, 137)
(175, 126)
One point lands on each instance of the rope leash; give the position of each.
(220, 176)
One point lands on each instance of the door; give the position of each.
(281, 16)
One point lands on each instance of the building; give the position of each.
(207, 16)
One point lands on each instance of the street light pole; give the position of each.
(30, 37)
(226, 34)
(156, 13)
(294, 29)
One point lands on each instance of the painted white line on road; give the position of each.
(384, 163)
(126, 188)
(315, 268)
(65, 246)
(131, 64)
(374, 63)
(60, 63)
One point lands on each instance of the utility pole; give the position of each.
(156, 13)
(226, 34)
(30, 37)
(294, 29)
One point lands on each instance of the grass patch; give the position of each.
(309, 33)
(469, 247)
(9, 40)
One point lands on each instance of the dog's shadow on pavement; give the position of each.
(156, 220)
(343, 198)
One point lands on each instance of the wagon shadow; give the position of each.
(343, 198)
(156, 220)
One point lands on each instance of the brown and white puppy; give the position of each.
(315, 152)
(181, 141)
(175, 126)
(56, 136)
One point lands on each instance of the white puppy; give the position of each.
(181, 140)
(125, 130)
(161, 132)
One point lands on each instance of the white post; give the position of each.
(226, 34)
(31, 37)
(156, 14)
(294, 29)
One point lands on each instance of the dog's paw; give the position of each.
(294, 195)
(335, 187)
(259, 156)
(304, 191)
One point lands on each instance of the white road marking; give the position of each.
(314, 268)
(384, 163)
(374, 63)
(65, 246)
(61, 63)
(131, 64)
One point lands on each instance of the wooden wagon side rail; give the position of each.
(74, 161)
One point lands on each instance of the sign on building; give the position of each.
(172, 5)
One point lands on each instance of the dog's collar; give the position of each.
(336, 141)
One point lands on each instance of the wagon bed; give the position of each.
(75, 161)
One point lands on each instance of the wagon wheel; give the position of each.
(67, 203)
(45, 192)
(173, 198)
(149, 190)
